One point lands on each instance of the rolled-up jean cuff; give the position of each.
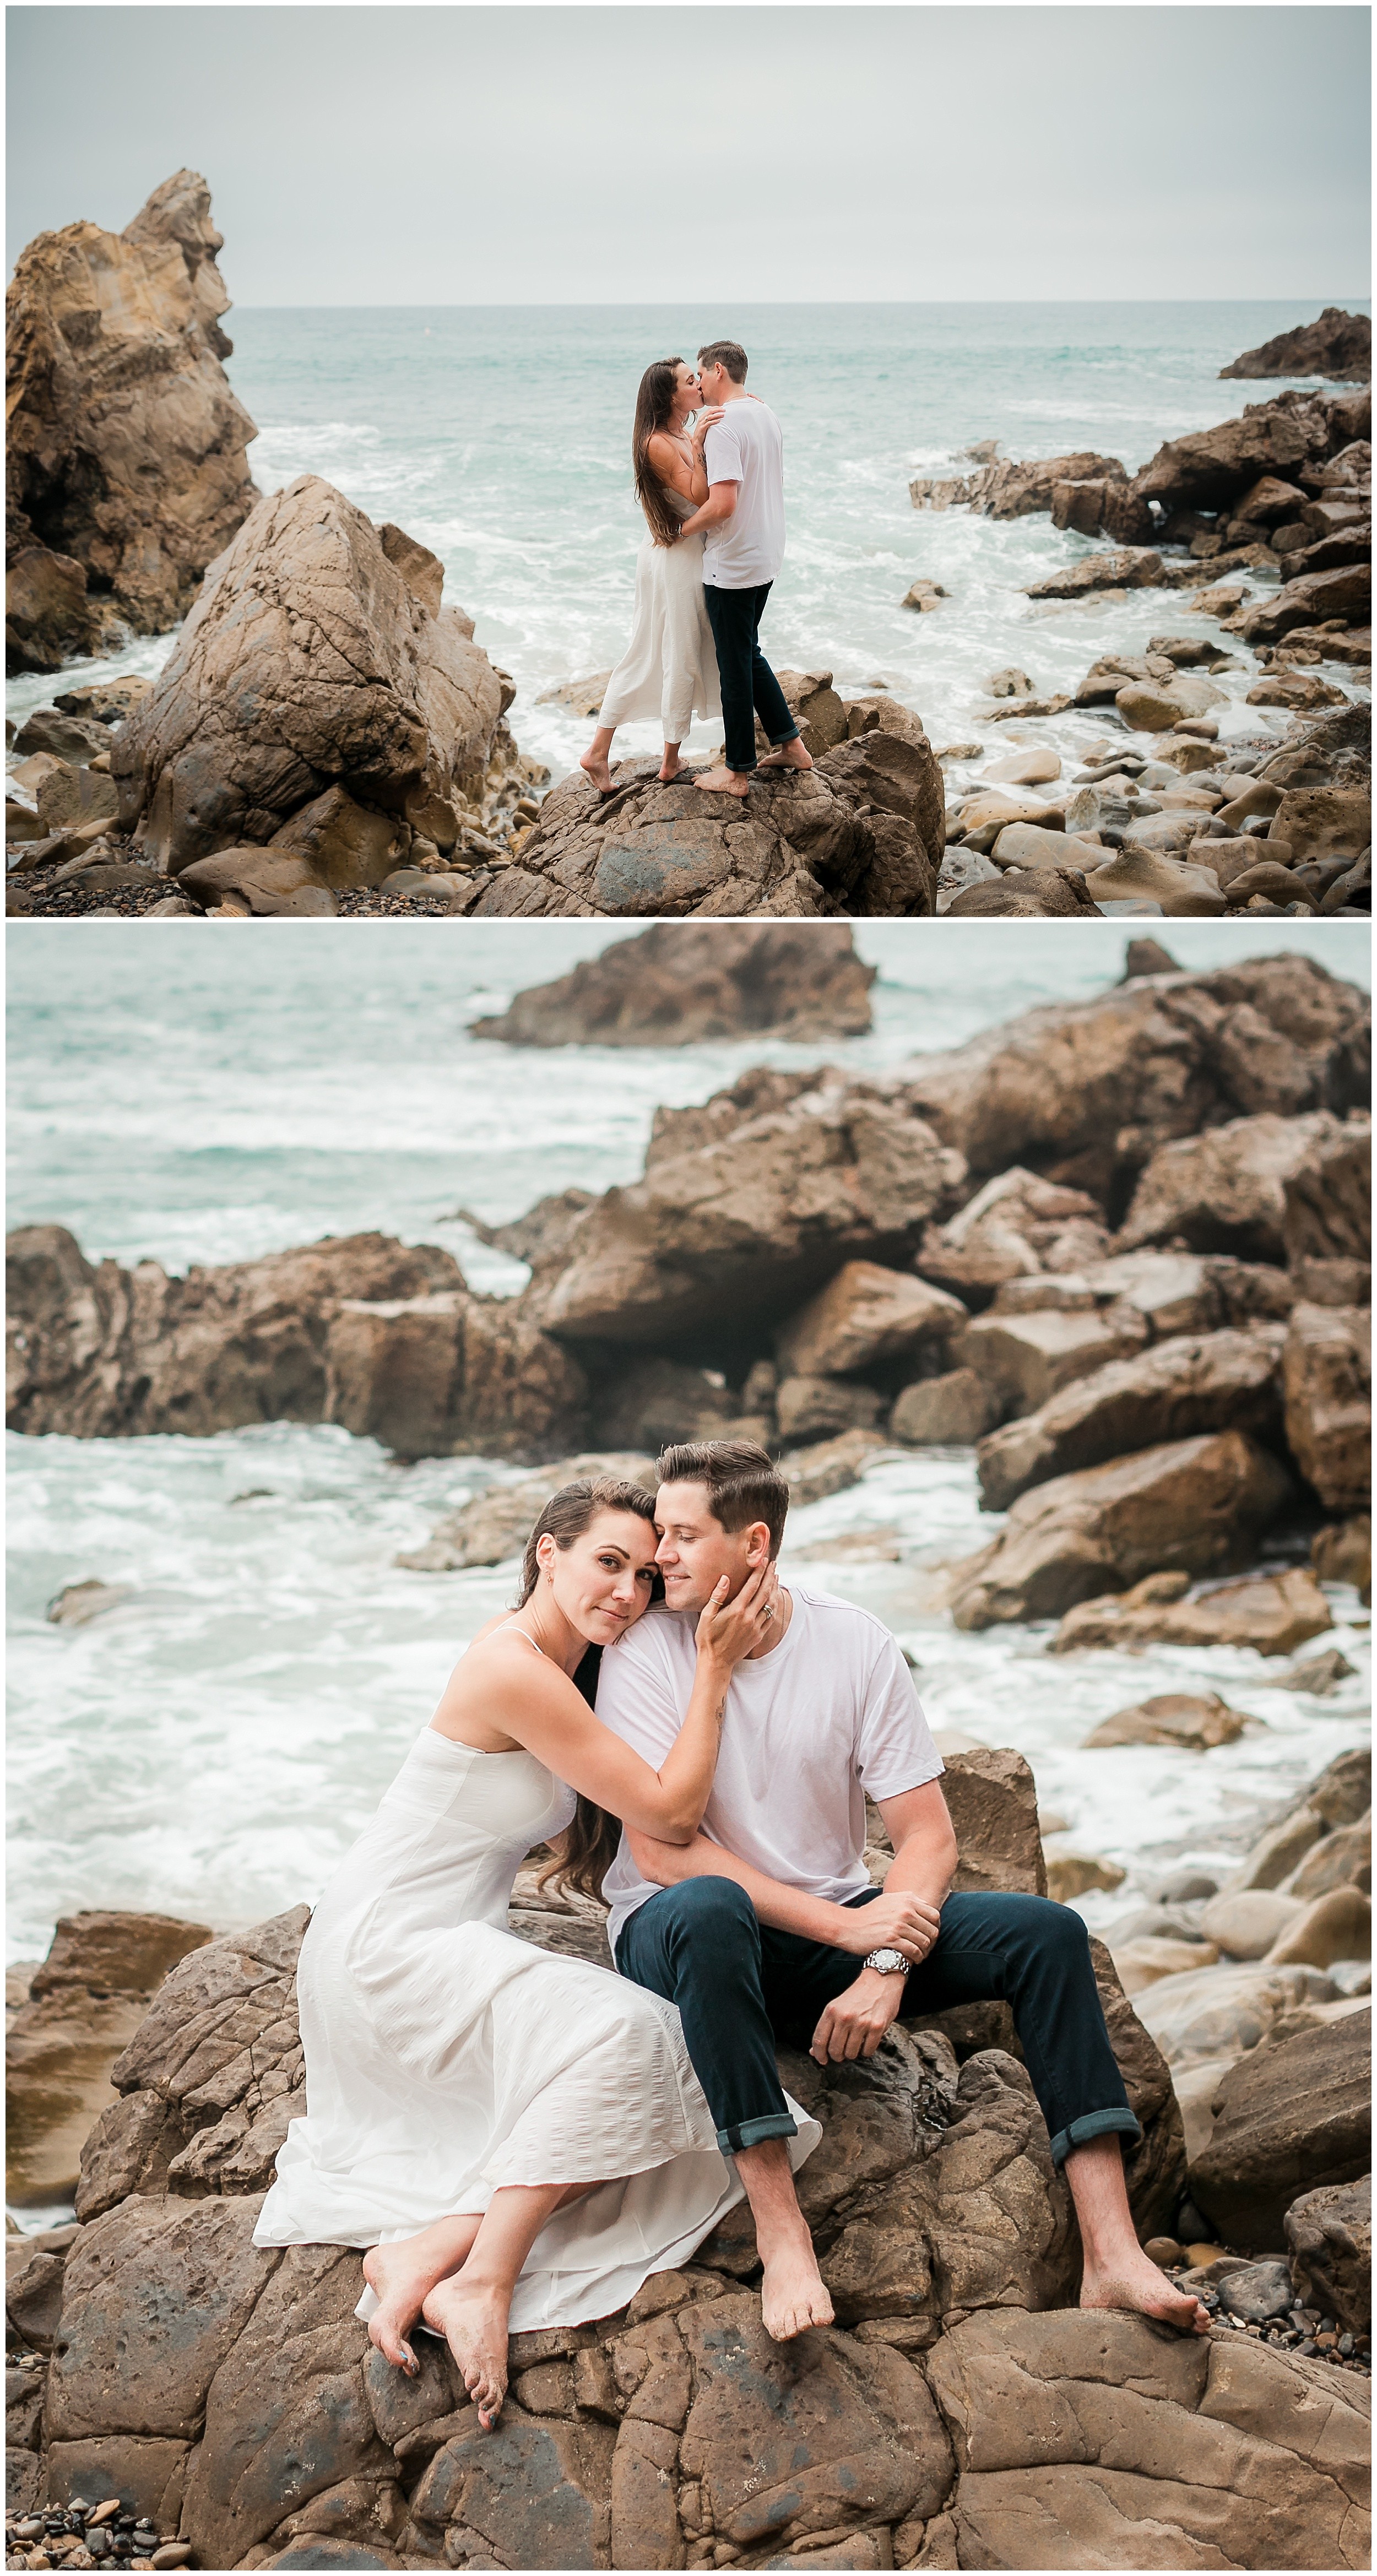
(750, 2133)
(1093, 2124)
(779, 739)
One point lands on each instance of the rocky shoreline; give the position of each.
(327, 740)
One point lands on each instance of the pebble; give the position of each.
(1304, 2332)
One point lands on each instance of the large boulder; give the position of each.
(1085, 1092)
(1025, 1359)
(1328, 1382)
(1271, 1613)
(1339, 345)
(719, 1236)
(1293, 2115)
(865, 1317)
(317, 655)
(1089, 2439)
(860, 833)
(1225, 1190)
(677, 986)
(1327, 1200)
(1210, 468)
(1189, 1384)
(1017, 1226)
(1197, 1506)
(1329, 2233)
(126, 463)
(358, 1329)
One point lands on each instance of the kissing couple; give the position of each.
(522, 2139)
(713, 499)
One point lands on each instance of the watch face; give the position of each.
(890, 1962)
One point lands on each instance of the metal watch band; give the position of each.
(889, 1963)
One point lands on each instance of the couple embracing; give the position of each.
(521, 2139)
(713, 498)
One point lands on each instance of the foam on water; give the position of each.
(211, 1746)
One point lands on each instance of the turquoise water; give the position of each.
(210, 1747)
(500, 436)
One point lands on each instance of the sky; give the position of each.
(440, 155)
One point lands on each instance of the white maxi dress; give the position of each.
(669, 668)
(446, 2058)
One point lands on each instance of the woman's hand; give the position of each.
(900, 1922)
(728, 1630)
(703, 422)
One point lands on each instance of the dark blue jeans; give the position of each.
(740, 1986)
(749, 686)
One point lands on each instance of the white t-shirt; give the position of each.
(828, 1714)
(746, 446)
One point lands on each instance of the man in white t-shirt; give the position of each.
(767, 1926)
(741, 524)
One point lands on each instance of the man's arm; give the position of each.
(905, 1917)
(924, 1866)
(719, 505)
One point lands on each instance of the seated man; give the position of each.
(766, 1926)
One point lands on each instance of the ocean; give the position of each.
(501, 438)
(210, 1747)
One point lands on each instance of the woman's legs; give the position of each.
(470, 2307)
(594, 760)
(402, 2274)
(670, 766)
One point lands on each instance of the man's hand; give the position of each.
(898, 1922)
(855, 2024)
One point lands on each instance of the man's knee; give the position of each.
(707, 1913)
(1054, 1934)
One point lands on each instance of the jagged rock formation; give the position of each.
(678, 987)
(126, 470)
(317, 664)
(1339, 345)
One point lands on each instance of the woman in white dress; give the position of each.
(669, 668)
(520, 2138)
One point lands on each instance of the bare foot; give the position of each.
(792, 2296)
(598, 771)
(665, 774)
(790, 755)
(724, 782)
(472, 2318)
(1141, 2288)
(399, 2281)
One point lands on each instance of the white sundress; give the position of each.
(669, 668)
(446, 2058)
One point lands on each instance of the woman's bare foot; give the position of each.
(724, 782)
(472, 2317)
(594, 766)
(669, 769)
(792, 2296)
(790, 755)
(1146, 2292)
(399, 2282)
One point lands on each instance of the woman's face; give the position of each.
(603, 1581)
(687, 396)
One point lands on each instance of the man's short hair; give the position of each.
(743, 1482)
(728, 354)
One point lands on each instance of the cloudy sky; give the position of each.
(403, 155)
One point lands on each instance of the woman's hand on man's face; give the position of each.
(728, 1630)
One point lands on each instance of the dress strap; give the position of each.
(521, 1632)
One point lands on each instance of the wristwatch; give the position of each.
(890, 1963)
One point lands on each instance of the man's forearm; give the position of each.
(924, 1865)
(719, 505)
(785, 1909)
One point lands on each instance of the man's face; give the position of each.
(695, 1551)
(712, 380)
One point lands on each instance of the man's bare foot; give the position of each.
(598, 772)
(1138, 2286)
(399, 2282)
(724, 782)
(792, 2296)
(790, 755)
(472, 2317)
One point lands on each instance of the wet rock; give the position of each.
(1016, 1226)
(955, 1407)
(1188, 1385)
(720, 1234)
(264, 882)
(1121, 568)
(1330, 2236)
(1343, 1554)
(675, 986)
(496, 1524)
(311, 659)
(1029, 894)
(1192, 1505)
(866, 1315)
(1191, 1722)
(1338, 345)
(147, 2475)
(1143, 875)
(357, 1329)
(1328, 1391)
(1272, 1613)
(126, 441)
(1224, 1191)
(1314, 597)
(1293, 2116)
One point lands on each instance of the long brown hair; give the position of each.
(590, 1845)
(654, 403)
